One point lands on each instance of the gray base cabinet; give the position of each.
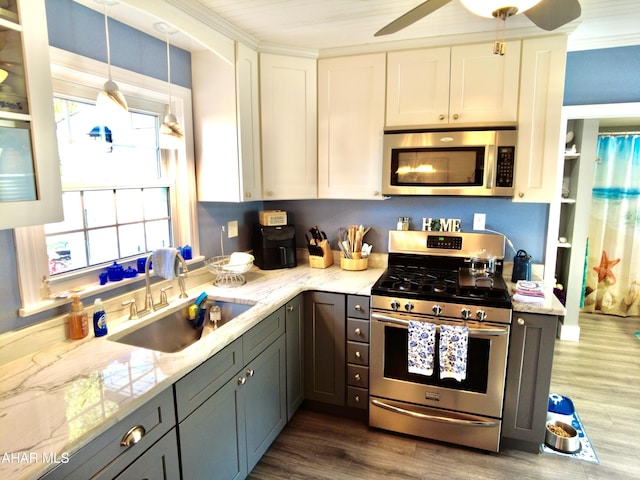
(106, 458)
(324, 348)
(294, 324)
(160, 462)
(528, 379)
(225, 435)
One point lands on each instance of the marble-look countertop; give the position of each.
(56, 399)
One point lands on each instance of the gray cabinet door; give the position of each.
(212, 438)
(528, 378)
(324, 333)
(160, 462)
(265, 393)
(294, 312)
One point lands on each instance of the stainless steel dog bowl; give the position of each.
(570, 444)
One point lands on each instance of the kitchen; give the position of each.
(517, 221)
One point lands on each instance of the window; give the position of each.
(106, 220)
(123, 195)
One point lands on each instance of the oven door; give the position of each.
(480, 393)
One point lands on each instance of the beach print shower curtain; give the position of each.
(612, 281)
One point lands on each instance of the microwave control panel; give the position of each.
(504, 166)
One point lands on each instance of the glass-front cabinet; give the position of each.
(30, 191)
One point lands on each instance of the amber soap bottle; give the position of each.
(78, 320)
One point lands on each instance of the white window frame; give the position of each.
(79, 76)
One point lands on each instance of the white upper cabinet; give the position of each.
(30, 191)
(460, 85)
(226, 124)
(289, 133)
(351, 92)
(540, 119)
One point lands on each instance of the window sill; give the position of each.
(84, 291)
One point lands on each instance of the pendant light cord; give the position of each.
(106, 29)
(168, 71)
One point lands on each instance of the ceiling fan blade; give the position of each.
(551, 14)
(412, 16)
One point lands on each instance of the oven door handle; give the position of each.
(490, 332)
(435, 418)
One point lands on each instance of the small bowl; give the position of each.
(570, 444)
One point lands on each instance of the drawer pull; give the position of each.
(250, 372)
(358, 331)
(357, 398)
(358, 355)
(359, 308)
(133, 436)
(357, 376)
(242, 381)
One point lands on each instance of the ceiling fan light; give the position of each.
(485, 8)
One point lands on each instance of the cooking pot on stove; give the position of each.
(482, 264)
(521, 266)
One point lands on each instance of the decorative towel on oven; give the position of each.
(422, 341)
(454, 341)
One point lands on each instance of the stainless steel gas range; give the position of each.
(429, 280)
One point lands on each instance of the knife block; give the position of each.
(326, 260)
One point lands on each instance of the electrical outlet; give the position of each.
(232, 228)
(479, 220)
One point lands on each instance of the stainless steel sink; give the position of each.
(175, 332)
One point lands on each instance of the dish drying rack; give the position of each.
(227, 274)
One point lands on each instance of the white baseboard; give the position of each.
(570, 332)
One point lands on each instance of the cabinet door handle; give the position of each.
(250, 372)
(290, 308)
(357, 399)
(456, 116)
(242, 381)
(441, 117)
(520, 321)
(358, 355)
(133, 436)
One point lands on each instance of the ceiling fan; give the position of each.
(546, 14)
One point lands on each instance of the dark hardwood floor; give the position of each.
(601, 374)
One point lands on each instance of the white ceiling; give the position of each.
(331, 25)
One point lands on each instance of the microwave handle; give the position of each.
(491, 332)
(491, 162)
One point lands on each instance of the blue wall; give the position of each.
(609, 75)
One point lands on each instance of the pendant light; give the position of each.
(110, 96)
(171, 131)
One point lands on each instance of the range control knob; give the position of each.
(395, 305)
(408, 306)
(436, 309)
(481, 315)
(466, 313)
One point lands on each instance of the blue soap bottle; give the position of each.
(99, 319)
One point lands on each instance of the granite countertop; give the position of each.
(59, 398)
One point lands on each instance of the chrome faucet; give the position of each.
(148, 298)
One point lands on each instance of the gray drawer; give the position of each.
(357, 397)
(358, 353)
(358, 376)
(263, 334)
(358, 306)
(105, 454)
(197, 386)
(358, 330)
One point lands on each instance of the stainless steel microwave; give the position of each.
(436, 162)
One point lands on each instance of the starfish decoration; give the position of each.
(604, 269)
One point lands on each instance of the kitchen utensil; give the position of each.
(521, 266)
(482, 264)
(568, 444)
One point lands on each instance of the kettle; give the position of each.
(521, 266)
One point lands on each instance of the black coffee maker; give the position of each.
(274, 247)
